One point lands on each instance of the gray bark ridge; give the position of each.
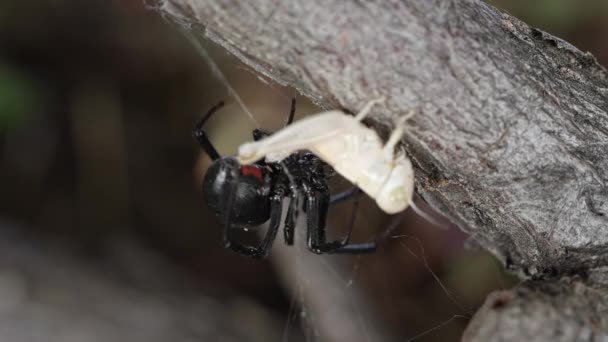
(567, 310)
(512, 134)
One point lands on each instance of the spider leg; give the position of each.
(344, 195)
(317, 204)
(366, 247)
(355, 248)
(263, 248)
(199, 134)
(259, 134)
(290, 220)
(292, 112)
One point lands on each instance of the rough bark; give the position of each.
(569, 310)
(512, 132)
(511, 136)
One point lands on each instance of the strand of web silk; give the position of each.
(441, 325)
(218, 74)
(426, 216)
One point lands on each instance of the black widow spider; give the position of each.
(245, 196)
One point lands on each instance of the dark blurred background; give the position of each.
(100, 189)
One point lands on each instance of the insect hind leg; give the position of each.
(397, 134)
(368, 107)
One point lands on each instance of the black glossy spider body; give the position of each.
(245, 196)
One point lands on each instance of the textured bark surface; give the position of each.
(568, 310)
(511, 136)
(512, 132)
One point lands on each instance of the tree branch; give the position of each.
(512, 134)
(513, 129)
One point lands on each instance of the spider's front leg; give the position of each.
(259, 134)
(199, 133)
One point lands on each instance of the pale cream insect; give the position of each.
(352, 149)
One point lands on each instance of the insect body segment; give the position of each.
(352, 149)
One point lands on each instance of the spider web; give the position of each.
(328, 299)
(343, 312)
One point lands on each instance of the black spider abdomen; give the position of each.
(251, 185)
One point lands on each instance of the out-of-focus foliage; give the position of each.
(556, 15)
(581, 22)
(18, 96)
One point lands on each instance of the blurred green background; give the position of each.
(97, 102)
